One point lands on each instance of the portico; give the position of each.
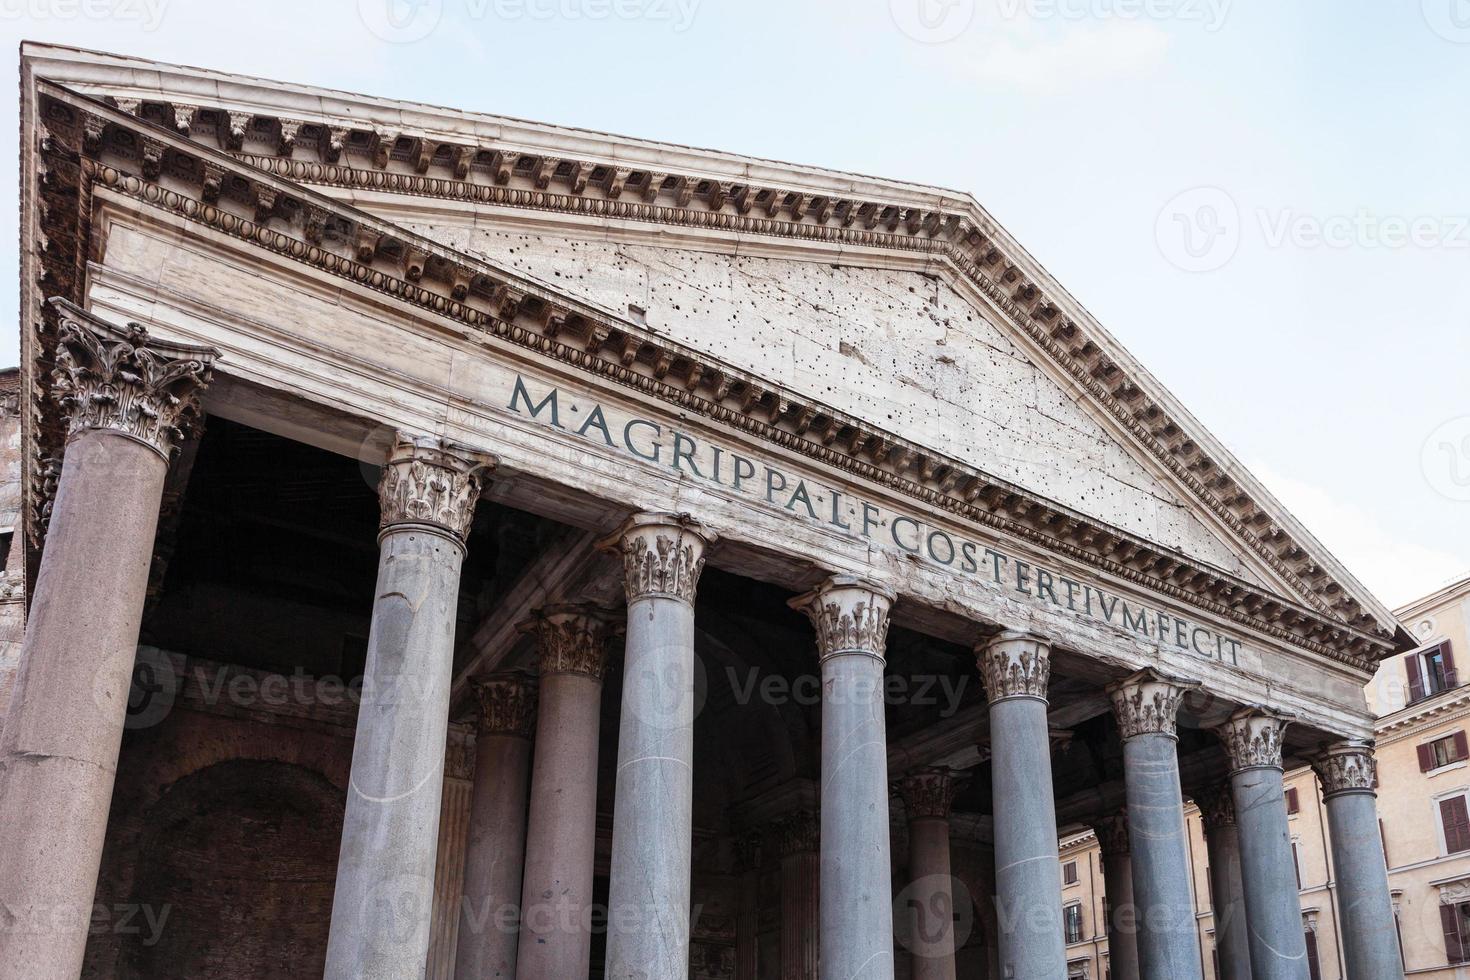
(584, 546)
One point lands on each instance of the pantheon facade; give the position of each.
(460, 547)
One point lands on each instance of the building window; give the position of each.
(1454, 820)
(1443, 751)
(1431, 671)
(1296, 862)
(1072, 919)
(1069, 873)
(1314, 960)
(1456, 922)
(1293, 801)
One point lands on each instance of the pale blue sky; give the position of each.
(1266, 202)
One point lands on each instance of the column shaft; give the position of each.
(1117, 862)
(556, 907)
(383, 902)
(128, 401)
(749, 850)
(1016, 667)
(927, 796)
(800, 914)
(648, 908)
(496, 844)
(1146, 706)
(1278, 949)
(851, 620)
(1227, 892)
(1349, 776)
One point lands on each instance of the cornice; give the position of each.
(1435, 711)
(335, 238)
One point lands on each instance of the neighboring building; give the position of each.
(12, 552)
(665, 507)
(1424, 775)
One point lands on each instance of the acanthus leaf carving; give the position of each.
(1147, 703)
(1015, 664)
(928, 793)
(507, 705)
(1347, 767)
(572, 639)
(1253, 738)
(850, 616)
(427, 482)
(663, 555)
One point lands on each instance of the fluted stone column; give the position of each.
(1016, 667)
(561, 844)
(749, 851)
(648, 908)
(1146, 706)
(385, 871)
(798, 840)
(1349, 776)
(851, 620)
(1278, 947)
(496, 843)
(927, 796)
(1227, 893)
(1117, 862)
(128, 400)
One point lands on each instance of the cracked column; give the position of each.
(1349, 776)
(1146, 706)
(1227, 894)
(385, 872)
(556, 904)
(128, 400)
(927, 796)
(851, 620)
(1117, 862)
(648, 907)
(1028, 876)
(497, 832)
(798, 838)
(1278, 947)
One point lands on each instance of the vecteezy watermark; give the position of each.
(406, 21)
(1450, 19)
(148, 14)
(1199, 230)
(932, 21)
(934, 916)
(1211, 14)
(807, 690)
(146, 922)
(1445, 459)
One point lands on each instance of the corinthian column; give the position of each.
(851, 620)
(1028, 876)
(648, 907)
(1278, 947)
(556, 904)
(1349, 776)
(128, 400)
(1146, 706)
(927, 795)
(497, 836)
(385, 871)
(798, 838)
(1227, 893)
(1117, 862)
(749, 849)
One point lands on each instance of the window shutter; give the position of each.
(1426, 758)
(1454, 947)
(1383, 839)
(1462, 745)
(1451, 679)
(1314, 962)
(1293, 804)
(1456, 821)
(1416, 677)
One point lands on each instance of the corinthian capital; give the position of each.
(850, 615)
(1147, 703)
(1015, 665)
(507, 705)
(1347, 767)
(663, 555)
(428, 482)
(1112, 834)
(928, 793)
(119, 379)
(797, 833)
(572, 639)
(1252, 738)
(1216, 807)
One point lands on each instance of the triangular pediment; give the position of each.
(904, 307)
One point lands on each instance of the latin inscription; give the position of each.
(661, 445)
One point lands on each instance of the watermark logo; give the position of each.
(401, 21)
(932, 21)
(934, 916)
(1210, 14)
(1199, 230)
(147, 14)
(1445, 459)
(1450, 19)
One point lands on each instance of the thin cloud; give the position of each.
(1115, 50)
